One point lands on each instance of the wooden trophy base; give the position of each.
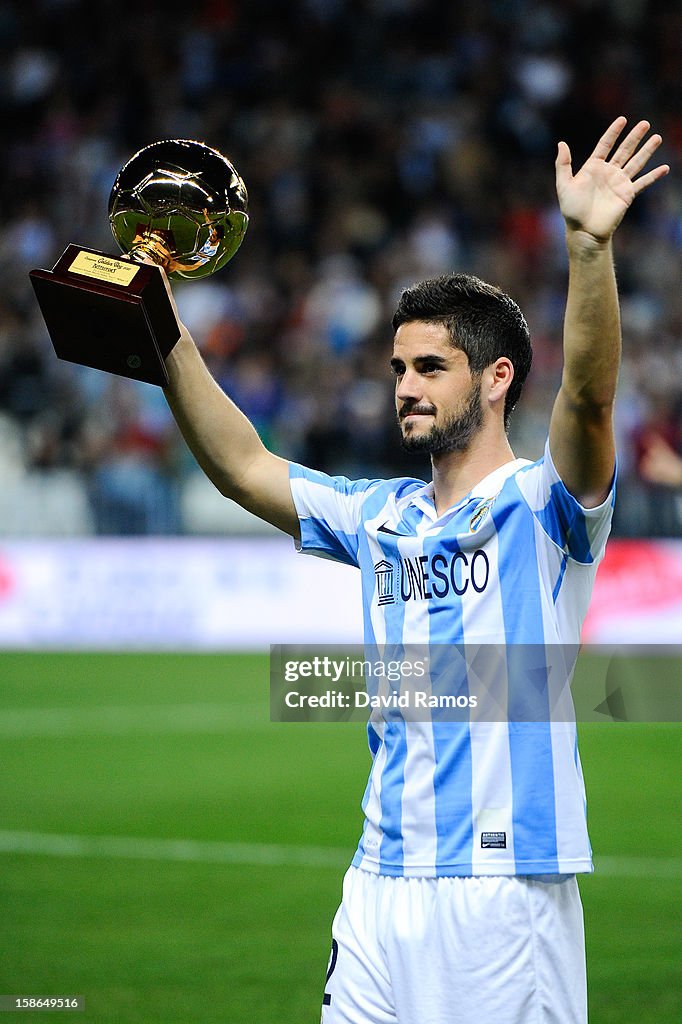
(107, 312)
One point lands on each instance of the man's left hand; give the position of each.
(596, 198)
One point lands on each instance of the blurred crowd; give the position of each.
(381, 141)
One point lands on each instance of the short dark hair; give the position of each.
(481, 319)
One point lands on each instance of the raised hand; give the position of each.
(596, 198)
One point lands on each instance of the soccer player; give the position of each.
(461, 903)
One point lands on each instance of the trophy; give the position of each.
(181, 205)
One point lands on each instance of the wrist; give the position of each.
(583, 245)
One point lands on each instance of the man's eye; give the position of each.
(430, 368)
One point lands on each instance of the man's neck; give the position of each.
(456, 473)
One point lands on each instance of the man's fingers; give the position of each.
(650, 177)
(608, 139)
(563, 164)
(642, 156)
(164, 276)
(630, 144)
(631, 155)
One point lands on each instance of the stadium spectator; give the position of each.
(368, 135)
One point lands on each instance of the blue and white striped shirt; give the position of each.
(513, 564)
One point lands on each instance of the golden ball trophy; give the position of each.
(180, 204)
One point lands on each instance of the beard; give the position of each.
(455, 434)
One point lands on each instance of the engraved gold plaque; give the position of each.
(103, 268)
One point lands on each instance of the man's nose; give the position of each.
(409, 386)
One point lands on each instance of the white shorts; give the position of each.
(504, 949)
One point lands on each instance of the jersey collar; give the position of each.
(488, 487)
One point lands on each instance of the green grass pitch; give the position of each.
(184, 750)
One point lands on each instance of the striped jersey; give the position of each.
(512, 565)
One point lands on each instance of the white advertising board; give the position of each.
(173, 594)
(246, 594)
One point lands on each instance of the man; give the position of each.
(462, 902)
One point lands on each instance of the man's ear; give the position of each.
(498, 377)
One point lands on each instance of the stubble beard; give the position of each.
(455, 434)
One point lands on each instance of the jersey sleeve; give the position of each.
(580, 532)
(329, 511)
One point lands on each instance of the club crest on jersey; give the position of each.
(480, 514)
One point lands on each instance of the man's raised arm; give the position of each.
(593, 203)
(223, 441)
